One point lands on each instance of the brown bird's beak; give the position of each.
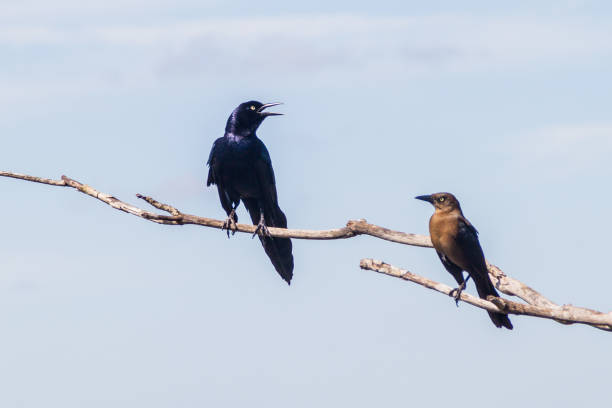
(427, 198)
(267, 105)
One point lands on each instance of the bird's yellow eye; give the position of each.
(441, 199)
(252, 107)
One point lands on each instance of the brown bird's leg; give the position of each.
(261, 229)
(230, 223)
(456, 293)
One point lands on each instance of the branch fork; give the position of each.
(536, 304)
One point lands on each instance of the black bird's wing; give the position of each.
(212, 161)
(215, 177)
(467, 239)
(267, 182)
(279, 250)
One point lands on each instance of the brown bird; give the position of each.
(456, 242)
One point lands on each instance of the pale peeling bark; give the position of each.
(537, 305)
(566, 314)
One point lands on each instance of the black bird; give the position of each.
(240, 166)
(457, 245)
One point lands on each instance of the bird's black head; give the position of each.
(441, 201)
(247, 117)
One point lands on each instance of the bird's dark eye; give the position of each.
(441, 199)
(252, 107)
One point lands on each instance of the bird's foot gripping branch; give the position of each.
(536, 304)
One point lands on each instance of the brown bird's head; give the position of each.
(441, 201)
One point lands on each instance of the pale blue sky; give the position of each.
(507, 106)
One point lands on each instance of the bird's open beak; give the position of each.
(267, 105)
(427, 198)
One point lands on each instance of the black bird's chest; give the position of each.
(238, 154)
(236, 165)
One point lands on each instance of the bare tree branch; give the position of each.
(566, 314)
(538, 305)
(32, 178)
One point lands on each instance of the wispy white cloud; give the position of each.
(74, 10)
(563, 149)
(484, 39)
(298, 46)
(570, 140)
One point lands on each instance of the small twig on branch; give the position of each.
(566, 314)
(353, 228)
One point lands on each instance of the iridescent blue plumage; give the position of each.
(240, 166)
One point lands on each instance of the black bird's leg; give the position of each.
(261, 229)
(230, 222)
(456, 293)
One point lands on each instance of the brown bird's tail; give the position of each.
(486, 288)
(279, 250)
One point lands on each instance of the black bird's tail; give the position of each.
(486, 288)
(279, 250)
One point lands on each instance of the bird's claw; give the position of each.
(261, 230)
(456, 293)
(230, 224)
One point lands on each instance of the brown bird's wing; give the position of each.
(468, 225)
(467, 240)
(471, 251)
(454, 270)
